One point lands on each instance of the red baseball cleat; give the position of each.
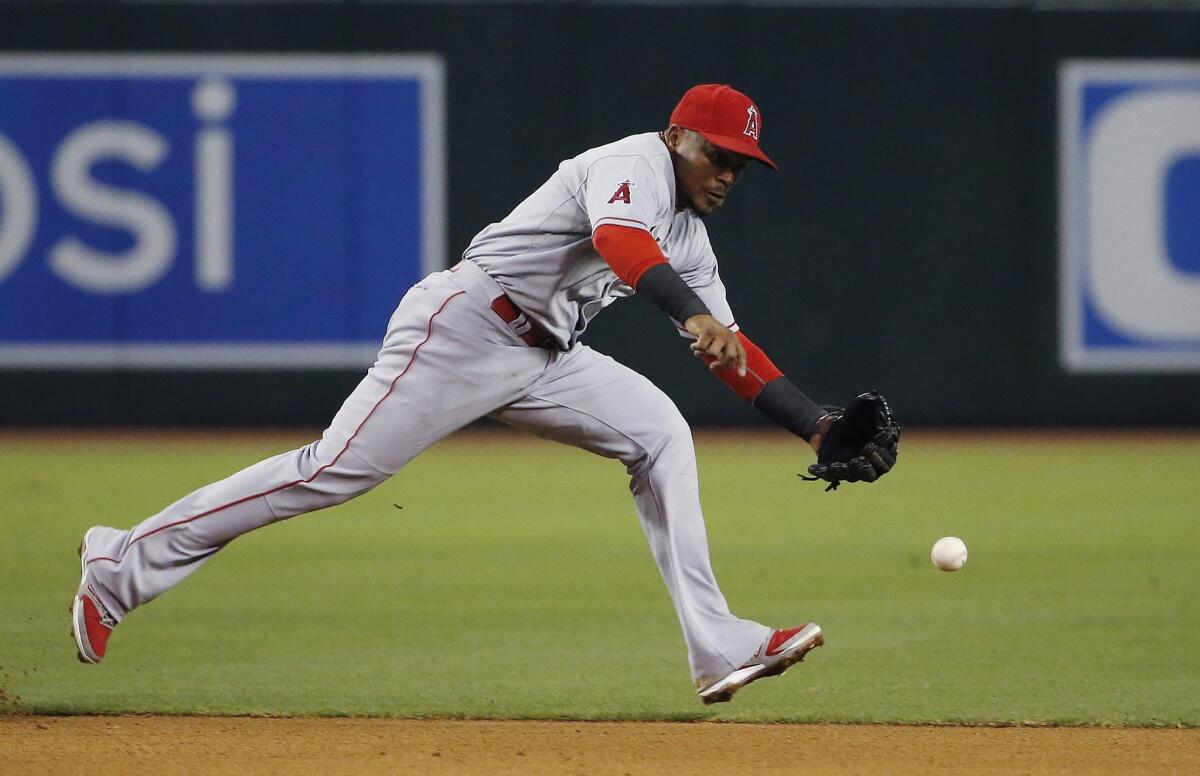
(91, 624)
(778, 653)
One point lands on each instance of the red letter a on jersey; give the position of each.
(622, 193)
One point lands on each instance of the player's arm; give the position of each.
(775, 396)
(761, 383)
(638, 261)
(765, 387)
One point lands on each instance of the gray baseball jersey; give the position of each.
(541, 254)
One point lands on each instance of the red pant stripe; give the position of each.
(317, 473)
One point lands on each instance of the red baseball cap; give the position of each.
(725, 117)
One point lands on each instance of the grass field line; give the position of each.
(699, 717)
(449, 748)
(484, 432)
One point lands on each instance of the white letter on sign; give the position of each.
(18, 207)
(214, 100)
(1133, 282)
(151, 224)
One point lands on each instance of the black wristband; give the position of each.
(663, 286)
(781, 401)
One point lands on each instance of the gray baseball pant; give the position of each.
(447, 360)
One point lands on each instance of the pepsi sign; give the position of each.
(200, 211)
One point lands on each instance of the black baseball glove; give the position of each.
(861, 443)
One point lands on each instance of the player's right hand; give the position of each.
(716, 344)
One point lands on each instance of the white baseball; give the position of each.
(949, 553)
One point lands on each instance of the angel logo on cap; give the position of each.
(724, 117)
(751, 123)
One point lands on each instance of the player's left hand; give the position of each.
(715, 341)
(818, 436)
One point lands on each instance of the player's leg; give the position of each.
(445, 362)
(589, 400)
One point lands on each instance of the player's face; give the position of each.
(704, 173)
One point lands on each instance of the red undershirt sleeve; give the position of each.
(629, 251)
(760, 370)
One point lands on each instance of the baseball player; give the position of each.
(499, 335)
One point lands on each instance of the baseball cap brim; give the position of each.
(741, 145)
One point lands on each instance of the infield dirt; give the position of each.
(241, 745)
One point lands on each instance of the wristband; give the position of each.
(781, 401)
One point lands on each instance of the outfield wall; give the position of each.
(916, 237)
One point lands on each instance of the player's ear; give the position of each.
(673, 136)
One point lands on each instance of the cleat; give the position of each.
(781, 650)
(91, 624)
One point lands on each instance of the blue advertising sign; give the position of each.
(201, 211)
(1129, 216)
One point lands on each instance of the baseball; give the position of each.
(949, 553)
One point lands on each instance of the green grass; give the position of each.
(516, 582)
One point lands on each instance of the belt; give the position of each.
(519, 323)
(484, 290)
